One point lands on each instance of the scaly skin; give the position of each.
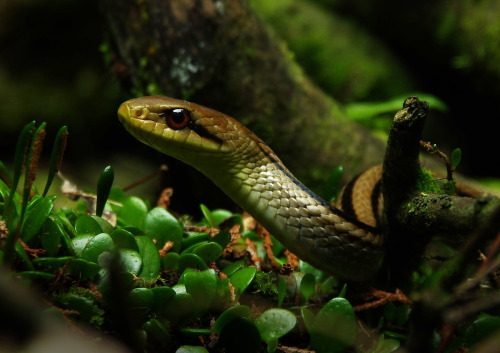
(247, 170)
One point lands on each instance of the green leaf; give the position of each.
(343, 291)
(38, 275)
(241, 279)
(209, 219)
(222, 238)
(162, 226)
(456, 157)
(241, 336)
(307, 268)
(118, 195)
(90, 247)
(131, 260)
(235, 266)
(281, 291)
(133, 212)
(161, 297)
(157, 330)
(195, 332)
(19, 248)
(37, 213)
(141, 297)
(123, 239)
(5, 175)
(51, 237)
(192, 240)
(76, 267)
(150, 259)
(272, 345)
(170, 261)
(229, 315)
(386, 345)
(275, 323)
(334, 328)
(208, 252)
(105, 225)
(202, 286)
(103, 188)
(19, 160)
(85, 224)
(191, 349)
(85, 307)
(485, 325)
(180, 308)
(55, 158)
(223, 296)
(220, 215)
(308, 286)
(81, 268)
(308, 318)
(191, 261)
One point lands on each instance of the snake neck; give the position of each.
(302, 221)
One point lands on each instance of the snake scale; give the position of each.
(343, 241)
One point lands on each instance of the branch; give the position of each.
(413, 217)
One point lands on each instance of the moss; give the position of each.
(428, 183)
(266, 283)
(351, 67)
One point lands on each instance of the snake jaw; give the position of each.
(143, 120)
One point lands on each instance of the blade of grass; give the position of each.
(30, 159)
(19, 158)
(56, 156)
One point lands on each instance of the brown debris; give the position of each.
(166, 248)
(382, 299)
(165, 196)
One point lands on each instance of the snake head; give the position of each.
(195, 134)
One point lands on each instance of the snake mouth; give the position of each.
(124, 113)
(144, 123)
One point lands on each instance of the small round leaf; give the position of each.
(275, 323)
(162, 226)
(131, 260)
(191, 261)
(133, 212)
(208, 252)
(334, 328)
(229, 315)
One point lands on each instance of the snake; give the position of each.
(342, 240)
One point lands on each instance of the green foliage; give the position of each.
(103, 189)
(334, 328)
(308, 286)
(456, 157)
(174, 286)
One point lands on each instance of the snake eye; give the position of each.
(176, 118)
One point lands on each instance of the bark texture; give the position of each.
(218, 53)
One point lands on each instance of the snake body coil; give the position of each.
(344, 243)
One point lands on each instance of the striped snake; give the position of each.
(342, 241)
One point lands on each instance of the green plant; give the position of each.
(182, 287)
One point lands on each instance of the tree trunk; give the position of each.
(218, 53)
